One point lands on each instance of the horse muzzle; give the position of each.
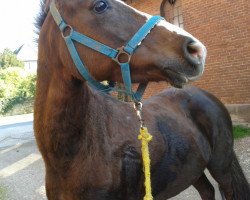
(195, 54)
(193, 50)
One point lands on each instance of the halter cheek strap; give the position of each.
(128, 49)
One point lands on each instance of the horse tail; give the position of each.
(241, 188)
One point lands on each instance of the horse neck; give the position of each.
(64, 104)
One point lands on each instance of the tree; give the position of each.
(9, 59)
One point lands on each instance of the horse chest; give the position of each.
(104, 177)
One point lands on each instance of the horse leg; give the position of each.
(205, 188)
(232, 181)
(51, 186)
(224, 180)
(220, 169)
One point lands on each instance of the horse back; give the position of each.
(205, 111)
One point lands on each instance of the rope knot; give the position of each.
(145, 135)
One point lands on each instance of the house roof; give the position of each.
(26, 53)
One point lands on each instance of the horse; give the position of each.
(88, 139)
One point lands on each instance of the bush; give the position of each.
(9, 59)
(16, 87)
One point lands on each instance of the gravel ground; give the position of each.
(22, 172)
(242, 150)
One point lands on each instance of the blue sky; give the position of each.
(16, 22)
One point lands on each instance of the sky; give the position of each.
(17, 23)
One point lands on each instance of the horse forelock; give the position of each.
(44, 8)
(46, 4)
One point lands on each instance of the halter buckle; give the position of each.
(138, 109)
(66, 31)
(122, 56)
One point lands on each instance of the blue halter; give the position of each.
(106, 50)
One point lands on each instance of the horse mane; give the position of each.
(40, 18)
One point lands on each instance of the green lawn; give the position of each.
(2, 193)
(240, 132)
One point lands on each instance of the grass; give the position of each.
(3, 193)
(240, 132)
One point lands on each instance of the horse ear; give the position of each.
(46, 4)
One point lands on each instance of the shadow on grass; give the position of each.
(240, 132)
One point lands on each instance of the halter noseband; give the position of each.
(128, 50)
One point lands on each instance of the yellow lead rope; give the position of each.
(145, 138)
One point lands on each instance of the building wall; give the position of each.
(149, 6)
(30, 66)
(223, 26)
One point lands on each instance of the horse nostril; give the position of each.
(195, 54)
(195, 50)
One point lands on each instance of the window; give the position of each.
(173, 13)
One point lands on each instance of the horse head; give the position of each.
(168, 53)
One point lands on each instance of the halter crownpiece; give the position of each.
(128, 50)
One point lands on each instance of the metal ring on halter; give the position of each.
(138, 109)
(65, 32)
(138, 105)
(120, 53)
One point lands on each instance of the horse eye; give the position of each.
(100, 6)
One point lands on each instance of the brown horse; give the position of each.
(88, 139)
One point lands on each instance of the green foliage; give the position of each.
(239, 131)
(3, 193)
(10, 79)
(16, 87)
(9, 59)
